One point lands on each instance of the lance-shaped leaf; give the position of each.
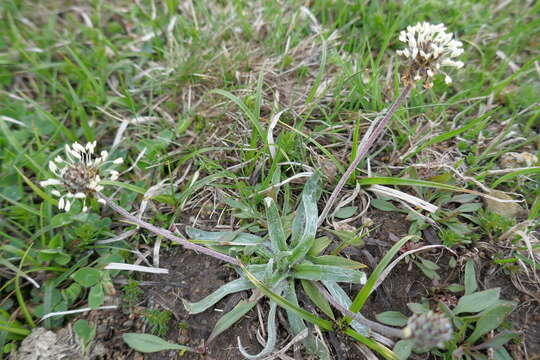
(310, 217)
(311, 189)
(490, 319)
(150, 343)
(328, 273)
(313, 344)
(478, 301)
(337, 261)
(223, 237)
(275, 227)
(272, 336)
(227, 320)
(229, 288)
(315, 295)
(227, 241)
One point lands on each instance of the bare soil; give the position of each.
(193, 276)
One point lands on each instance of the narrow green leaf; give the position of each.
(498, 340)
(477, 302)
(15, 330)
(366, 290)
(18, 293)
(447, 135)
(489, 320)
(470, 278)
(147, 343)
(310, 217)
(42, 194)
(500, 353)
(272, 336)
(229, 288)
(373, 345)
(384, 205)
(253, 118)
(124, 185)
(317, 298)
(319, 245)
(313, 344)
(25, 207)
(328, 273)
(222, 237)
(275, 227)
(337, 261)
(227, 320)
(510, 176)
(343, 299)
(320, 74)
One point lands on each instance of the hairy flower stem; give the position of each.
(365, 145)
(166, 233)
(375, 326)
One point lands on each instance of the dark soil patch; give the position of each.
(193, 276)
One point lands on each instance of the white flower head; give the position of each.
(428, 48)
(79, 175)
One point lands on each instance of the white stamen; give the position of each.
(49, 182)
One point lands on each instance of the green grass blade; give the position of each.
(25, 207)
(42, 194)
(366, 290)
(510, 176)
(252, 117)
(448, 135)
(373, 345)
(124, 185)
(19, 295)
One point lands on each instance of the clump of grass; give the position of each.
(131, 294)
(157, 320)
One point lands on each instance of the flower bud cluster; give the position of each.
(79, 174)
(429, 47)
(428, 330)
